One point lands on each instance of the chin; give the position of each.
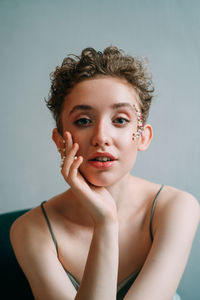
(100, 181)
(98, 184)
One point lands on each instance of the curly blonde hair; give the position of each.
(90, 64)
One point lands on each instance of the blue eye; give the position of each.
(83, 122)
(121, 121)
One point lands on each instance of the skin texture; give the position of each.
(107, 129)
(102, 222)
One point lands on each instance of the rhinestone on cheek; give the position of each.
(140, 125)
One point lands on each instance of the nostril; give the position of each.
(100, 139)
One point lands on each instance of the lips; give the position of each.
(102, 156)
(102, 160)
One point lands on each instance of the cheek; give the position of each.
(128, 148)
(83, 142)
(125, 138)
(129, 157)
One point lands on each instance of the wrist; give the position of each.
(108, 220)
(107, 225)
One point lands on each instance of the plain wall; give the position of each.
(34, 38)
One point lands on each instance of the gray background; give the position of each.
(36, 35)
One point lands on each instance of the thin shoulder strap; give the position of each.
(49, 225)
(152, 211)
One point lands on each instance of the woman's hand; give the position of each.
(97, 200)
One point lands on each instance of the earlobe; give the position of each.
(146, 138)
(57, 138)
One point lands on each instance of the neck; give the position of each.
(120, 190)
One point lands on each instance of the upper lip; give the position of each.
(102, 154)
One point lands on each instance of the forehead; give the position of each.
(101, 92)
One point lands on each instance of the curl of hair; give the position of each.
(111, 62)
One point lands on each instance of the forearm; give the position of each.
(101, 270)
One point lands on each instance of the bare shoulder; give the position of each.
(175, 209)
(37, 256)
(24, 224)
(170, 198)
(29, 230)
(179, 199)
(175, 221)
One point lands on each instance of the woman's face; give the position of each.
(100, 115)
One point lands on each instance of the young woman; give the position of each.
(111, 235)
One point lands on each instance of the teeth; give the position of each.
(102, 159)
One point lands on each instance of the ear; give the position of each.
(146, 138)
(57, 138)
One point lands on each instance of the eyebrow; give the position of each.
(80, 107)
(123, 104)
(88, 107)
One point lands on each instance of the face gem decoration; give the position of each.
(140, 124)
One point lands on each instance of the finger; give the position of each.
(69, 159)
(73, 172)
(68, 141)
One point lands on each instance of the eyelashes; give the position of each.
(121, 121)
(85, 122)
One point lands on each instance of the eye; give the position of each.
(121, 121)
(83, 122)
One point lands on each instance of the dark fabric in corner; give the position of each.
(13, 282)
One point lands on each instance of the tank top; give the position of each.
(123, 286)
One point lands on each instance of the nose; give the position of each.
(101, 135)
